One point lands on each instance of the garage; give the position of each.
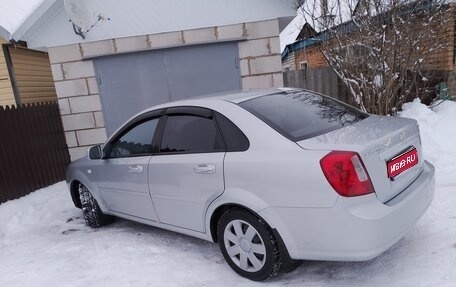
(129, 83)
(113, 59)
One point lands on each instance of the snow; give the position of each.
(291, 32)
(378, 81)
(44, 242)
(438, 136)
(14, 13)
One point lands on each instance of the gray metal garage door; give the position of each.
(130, 83)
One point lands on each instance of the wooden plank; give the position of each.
(26, 60)
(33, 75)
(4, 176)
(26, 143)
(38, 146)
(48, 90)
(36, 77)
(30, 67)
(19, 162)
(13, 186)
(6, 91)
(38, 98)
(38, 84)
(27, 83)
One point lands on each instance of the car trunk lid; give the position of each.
(387, 147)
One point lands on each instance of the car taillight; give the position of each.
(346, 173)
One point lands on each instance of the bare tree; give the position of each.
(385, 51)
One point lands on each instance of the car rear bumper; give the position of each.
(354, 229)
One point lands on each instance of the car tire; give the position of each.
(248, 245)
(93, 215)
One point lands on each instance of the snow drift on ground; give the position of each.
(438, 135)
(44, 241)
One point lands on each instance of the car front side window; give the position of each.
(136, 141)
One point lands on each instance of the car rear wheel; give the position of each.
(248, 245)
(93, 215)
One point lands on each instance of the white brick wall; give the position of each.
(254, 48)
(200, 35)
(76, 70)
(57, 72)
(171, 39)
(78, 152)
(71, 88)
(93, 86)
(274, 45)
(78, 96)
(71, 139)
(85, 104)
(258, 82)
(99, 119)
(76, 83)
(91, 137)
(97, 48)
(131, 44)
(63, 54)
(261, 64)
(230, 32)
(277, 79)
(265, 65)
(262, 29)
(76, 122)
(64, 105)
(245, 69)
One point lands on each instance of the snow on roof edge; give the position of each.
(30, 21)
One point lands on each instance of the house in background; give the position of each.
(306, 53)
(112, 59)
(25, 75)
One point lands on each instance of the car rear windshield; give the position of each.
(302, 115)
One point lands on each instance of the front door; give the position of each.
(187, 173)
(123, 176)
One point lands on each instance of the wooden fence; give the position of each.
(33, 150)
(323, 80)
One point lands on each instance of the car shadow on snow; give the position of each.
(337, 273)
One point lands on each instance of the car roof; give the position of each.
(233, 97)
(241, 96)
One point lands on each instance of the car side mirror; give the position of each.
(96, 152)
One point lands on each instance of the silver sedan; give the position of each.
(273, 176)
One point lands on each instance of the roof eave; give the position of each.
(44, 8)
(4, 33)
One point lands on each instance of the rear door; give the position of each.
(187, 173)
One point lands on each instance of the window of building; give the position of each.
(303, 65)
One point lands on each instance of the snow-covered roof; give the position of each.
(310, 12)
(289, 34)
(16, 14)
(51, 27)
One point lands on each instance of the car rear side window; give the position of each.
(233, 137)
(190, 134)
(302, 115)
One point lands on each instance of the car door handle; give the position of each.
(204, 168)
(135, 169)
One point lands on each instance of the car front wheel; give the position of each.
(93, 215)
(248, 245)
